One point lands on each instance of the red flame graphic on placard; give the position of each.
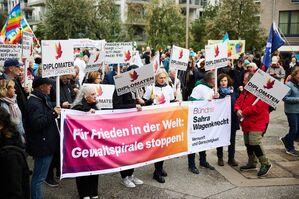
(181, 54)
(127, 55)
(133, 76)
(269, 84)
(100, 91)
(58, 50)
(216, 51)
(97, 58)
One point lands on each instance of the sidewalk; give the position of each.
(226, 182)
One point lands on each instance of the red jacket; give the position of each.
(256, 117)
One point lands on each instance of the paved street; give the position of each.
(225, 182)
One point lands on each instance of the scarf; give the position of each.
(226, 91)
(14, 109)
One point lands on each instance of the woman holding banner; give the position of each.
(225, 84)
(161, 93)
(87, 186)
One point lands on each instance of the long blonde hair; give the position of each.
(5, 85)
(159, 72)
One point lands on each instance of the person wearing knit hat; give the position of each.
(275, 70)
(42, 134)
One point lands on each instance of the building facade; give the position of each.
(285, 13)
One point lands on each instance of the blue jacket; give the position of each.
(291, 100)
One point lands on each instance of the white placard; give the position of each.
(211, 124)
(104, 95)
(179, 58)
(57, 58)
(27, 42)
(134, 79)
(267, 88)
(94, 61)
(118, 52)
(216, 56)
(9, 51)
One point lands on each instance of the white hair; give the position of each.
(85, 90)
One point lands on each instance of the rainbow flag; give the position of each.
(12, 25)
(11, 32)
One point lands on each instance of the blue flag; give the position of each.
(274, 42)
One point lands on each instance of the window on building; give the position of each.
(295, 1)
(203, 3)
(289, 23)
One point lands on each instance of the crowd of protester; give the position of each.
(29, 115)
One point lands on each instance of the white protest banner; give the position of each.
(104, 95)
(134, 79)
(179, 58)
(118, 52)
(267, 88)
(27, 42)
(216, 56)
(210, 124)
(94, 61)
(9, 51)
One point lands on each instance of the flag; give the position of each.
(225, 38)
(229, 50)
(274, 42)
(11, 27)
(16, 24)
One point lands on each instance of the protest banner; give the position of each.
(179, 58)
(104, 95)
(134, 79)
(108, 142)
(209, 124)
(236, 47)
(57, 58)
(27, 45)
(118, 52)
(267, 88)
(9, 51)
(216, 56)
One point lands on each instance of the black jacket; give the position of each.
(66, 93)
(14, 170)
(84, 106)
(40, 126)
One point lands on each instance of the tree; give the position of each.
(198, 28)
(107, 21)
(165, 25)
(69, 19)
(238, 18)
(3, 18)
